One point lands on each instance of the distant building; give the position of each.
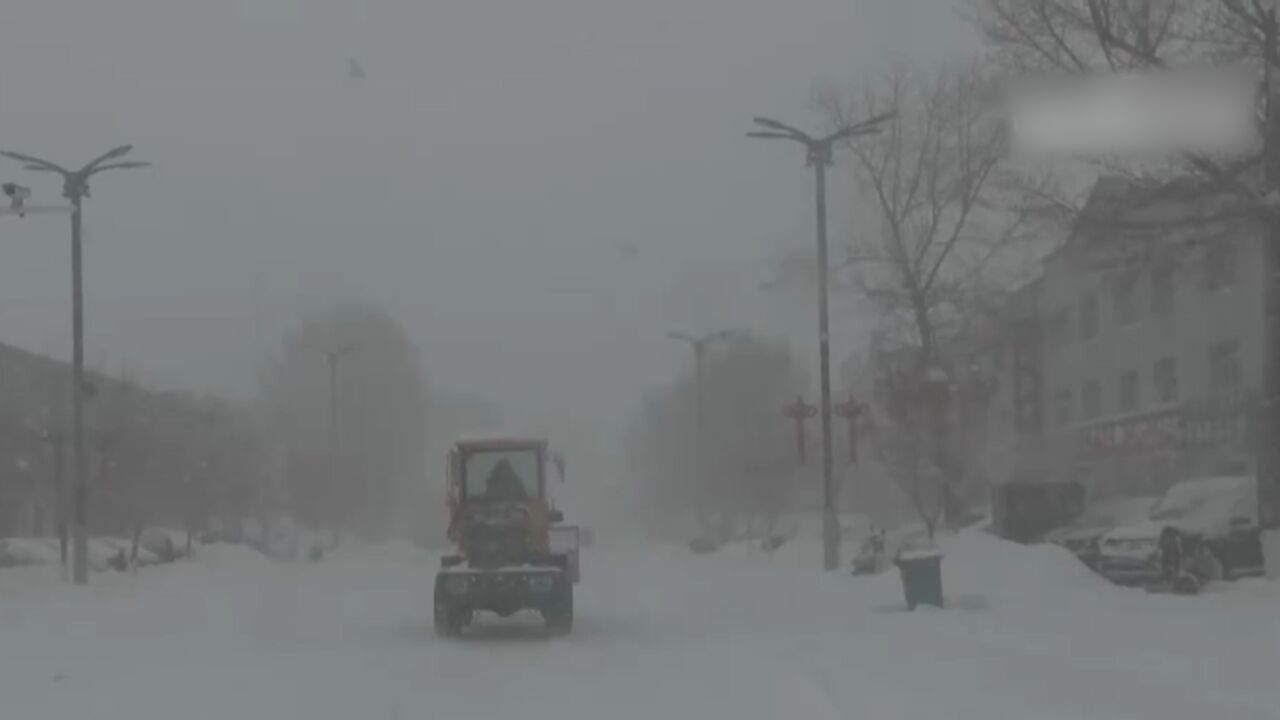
(35, 412)
(1136, 359)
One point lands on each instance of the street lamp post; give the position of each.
(699, 345)
(56, 440)
(75, 187)
(818, 156)
(332, 358)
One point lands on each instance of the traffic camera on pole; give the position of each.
(18, 196)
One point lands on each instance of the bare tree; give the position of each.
(1112, 36)
(380, 399)
(748, 454)
(950, 233)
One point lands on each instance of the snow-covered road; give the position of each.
(660, 634)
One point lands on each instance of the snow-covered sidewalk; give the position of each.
(660, 634)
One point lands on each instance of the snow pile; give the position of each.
(976, 562)
(230, 557)
(396, 552)
(17, 552)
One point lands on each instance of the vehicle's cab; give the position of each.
(499, 512)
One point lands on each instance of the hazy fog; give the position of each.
(538, 191)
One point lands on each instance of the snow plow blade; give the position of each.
(565, 540)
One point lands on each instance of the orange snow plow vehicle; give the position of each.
(512, 551)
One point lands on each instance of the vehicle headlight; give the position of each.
(540, 583)
(457, 584)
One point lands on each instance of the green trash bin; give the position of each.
(921, 572)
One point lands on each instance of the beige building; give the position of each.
(1140, 344)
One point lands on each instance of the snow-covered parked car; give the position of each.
(1222, 512)
(104, 550)
(1082, 535)
(167, 545)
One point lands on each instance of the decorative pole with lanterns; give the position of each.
(851, 410)
(800, 412)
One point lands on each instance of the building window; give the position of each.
(1089, 317)
(1164, 376)
(1129, 391)
(1219, 265)
(1162, 288)
(1058, 329)
(1062, 401)
(1224, 366)
(1124, 298)
(1091, 400)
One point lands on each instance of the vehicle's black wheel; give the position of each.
(559, 617)
(1223, 564)
(448, 619)
(1187, 585)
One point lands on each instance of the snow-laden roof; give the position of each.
(1209, 503)
(1105, 515)
(499, 438)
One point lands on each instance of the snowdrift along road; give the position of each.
(661, 633)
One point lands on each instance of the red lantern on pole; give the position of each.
(851, 410)
(799, 412)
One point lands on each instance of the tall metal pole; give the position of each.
(699, 346)
(699, 430)
(75, 187)
(821, 156)
(1267, 433)
(80, 489)
(56, 443)
(332, 358)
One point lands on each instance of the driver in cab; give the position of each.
(503, 485)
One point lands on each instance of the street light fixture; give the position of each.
(75, 187)
(699, 345)
(819, 156)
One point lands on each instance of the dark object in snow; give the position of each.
(703, 545)
(1187, 564)
(773, 542)
(921, 572)
(870, 557)
(865, 564)
(1170, 544)
(120, 562)
(316, 554)
(1185, 584)
(1024, 511)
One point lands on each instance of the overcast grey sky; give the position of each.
(480, 182)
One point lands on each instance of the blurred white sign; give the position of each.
(1153, 113)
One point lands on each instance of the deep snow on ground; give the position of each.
(660, 634)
